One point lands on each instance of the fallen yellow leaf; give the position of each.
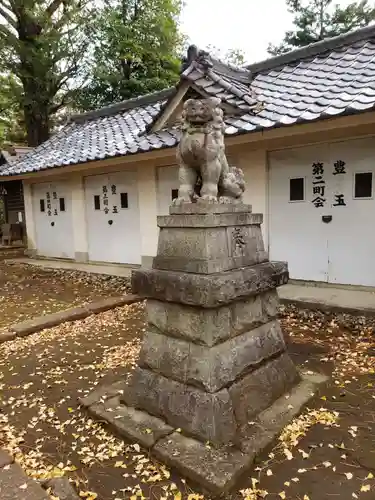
(288, 454)
(365, 487)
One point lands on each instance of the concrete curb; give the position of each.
(37, 324)
(328, 308)
(15, 484)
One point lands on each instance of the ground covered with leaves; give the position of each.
(28, 291)
(327, 452)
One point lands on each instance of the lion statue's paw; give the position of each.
(207, 198)
(181, 201)
(227, 200)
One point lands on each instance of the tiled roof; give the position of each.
(330, 78)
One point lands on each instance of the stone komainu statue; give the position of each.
(204, 172)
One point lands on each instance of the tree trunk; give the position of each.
(34, 79)
(37, 124)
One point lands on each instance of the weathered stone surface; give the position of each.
(260, 388)
(209, 208)
(209, 220)
(270, 304)
(166, 355)
(103, 393)
(268, 423)
(5, 459)
(204, 248)
(11, 478)
(130, 423)
(212, 326)
(190, 244)
(209, 290)
(207, 416)
(202, 326)
(210, 368)
(217, 470)
(61, 488)
(216, 367)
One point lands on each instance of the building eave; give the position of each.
(361, 124)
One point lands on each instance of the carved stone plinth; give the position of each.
(214, 362)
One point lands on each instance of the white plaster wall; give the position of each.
(154, 198)
(254, 166)
(29, 217)
(148, 208)
(79, 216)
(167, 179)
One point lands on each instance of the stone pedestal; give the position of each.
(213, 363)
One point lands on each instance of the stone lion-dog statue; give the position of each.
(204, 173)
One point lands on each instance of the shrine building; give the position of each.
(301, 126)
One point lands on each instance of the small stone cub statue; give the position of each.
(204, 173)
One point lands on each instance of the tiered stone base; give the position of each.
(216, 469)
(213, 362)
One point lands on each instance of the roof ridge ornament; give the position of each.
(201, 57)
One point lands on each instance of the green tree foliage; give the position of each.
(136, 50)
(317, 20)
(42, 46)
(12, 128)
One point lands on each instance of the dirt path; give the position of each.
(328, 453)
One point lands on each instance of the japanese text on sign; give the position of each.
(318, 184)
(106, 195)
(339, 167)
(51, 203)
(339, 201)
